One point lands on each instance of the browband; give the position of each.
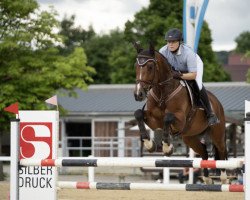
(143, 60)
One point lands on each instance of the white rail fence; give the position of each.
(129, 146)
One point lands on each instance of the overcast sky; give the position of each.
(226, 18)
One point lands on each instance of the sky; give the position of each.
(226, 18)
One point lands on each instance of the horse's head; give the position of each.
(145, 71)
(152, 69)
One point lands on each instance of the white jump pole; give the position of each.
(133, 162)
(14, 175)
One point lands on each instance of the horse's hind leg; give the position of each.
(201, 149)
(220, 156)
(218, 139)
(145, 137)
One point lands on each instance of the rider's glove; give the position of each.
(177, 74)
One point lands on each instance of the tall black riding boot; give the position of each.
(211, 117)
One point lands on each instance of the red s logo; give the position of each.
(36, 140)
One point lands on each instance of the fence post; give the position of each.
(91, 172)
(14, 174)
(247, 150)
(191, 170)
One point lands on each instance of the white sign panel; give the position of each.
(247, 151)
(38, 140)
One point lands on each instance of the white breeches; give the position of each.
(199, 74)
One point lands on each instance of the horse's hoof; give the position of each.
(150, 145)
(208, 180)
(167, 149)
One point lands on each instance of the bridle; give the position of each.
(142, 60)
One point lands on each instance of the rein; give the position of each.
(142, 60)
(167, 97)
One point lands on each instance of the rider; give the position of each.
(188, 66)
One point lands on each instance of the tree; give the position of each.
(243, 47)
(213, 71)
(74, 36)
(151, 24)
(98, 50)
(98, 47)
(243, 42)
(122, 70)
(112, 54)
(247, 54)
(31, 67)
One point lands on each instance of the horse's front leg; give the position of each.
(167, 147)
(149, 144)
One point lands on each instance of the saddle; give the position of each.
(194, 95)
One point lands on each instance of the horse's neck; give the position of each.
(165, 77)
(164, 68)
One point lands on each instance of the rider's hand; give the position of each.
(177, 74)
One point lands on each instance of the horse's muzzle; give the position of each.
(140, 96)
(140, 93)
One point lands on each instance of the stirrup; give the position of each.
(212, 119)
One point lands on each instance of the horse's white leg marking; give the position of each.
(167, 148)
(148, 143)
(223, 177)
(207, 180)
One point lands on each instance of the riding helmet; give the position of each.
(173, 34)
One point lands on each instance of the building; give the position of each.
(98, 121)
(237, 67)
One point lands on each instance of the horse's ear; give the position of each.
(151, 49)
(137, 46)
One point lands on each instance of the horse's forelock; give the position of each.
(145, 53)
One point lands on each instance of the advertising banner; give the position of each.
(38, 140)
(193, 15)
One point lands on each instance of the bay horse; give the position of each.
(170, 110)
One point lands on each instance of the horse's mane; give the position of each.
(165, 59)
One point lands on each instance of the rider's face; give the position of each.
(173, 45)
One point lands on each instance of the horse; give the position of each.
(170, 111)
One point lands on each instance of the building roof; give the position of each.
(119, 99)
